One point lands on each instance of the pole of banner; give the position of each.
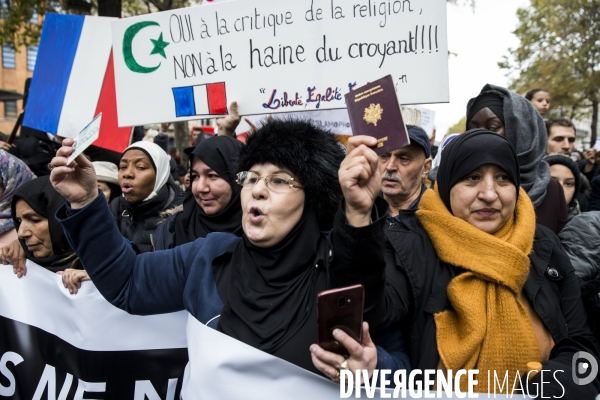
(13, 134)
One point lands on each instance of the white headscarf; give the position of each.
(160, 160)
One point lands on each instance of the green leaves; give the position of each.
(21, 24)
(559, 51)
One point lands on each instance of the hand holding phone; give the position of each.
(340, 308)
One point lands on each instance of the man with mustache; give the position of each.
(403, 171)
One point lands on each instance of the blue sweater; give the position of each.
(170, 280)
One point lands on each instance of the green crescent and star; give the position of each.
(159, 47)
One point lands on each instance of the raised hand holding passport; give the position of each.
(360, 179)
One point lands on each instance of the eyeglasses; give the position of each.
(275, 182)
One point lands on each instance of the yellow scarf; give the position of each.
(488, 328)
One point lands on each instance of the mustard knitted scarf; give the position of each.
(488, 328)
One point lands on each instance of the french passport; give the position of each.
(374, 110)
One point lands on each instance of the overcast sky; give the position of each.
(479, 38)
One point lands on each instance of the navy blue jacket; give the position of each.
(180, 278)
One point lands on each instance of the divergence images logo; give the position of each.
(159, 47)
(583, 367)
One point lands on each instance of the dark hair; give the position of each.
(559, 121)
(529, 95)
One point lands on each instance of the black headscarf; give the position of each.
(572, 165)
(40, 195)
(270, 293)
(219, 153)
(275, 284)
(525, 129)
(471, 150)
(491, 100)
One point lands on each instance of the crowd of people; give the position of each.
(484, 258)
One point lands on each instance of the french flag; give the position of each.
(74, 80)
(208, 99)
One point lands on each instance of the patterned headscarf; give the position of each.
(13, 173)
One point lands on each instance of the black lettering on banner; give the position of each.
(336, 11)
(221, 25)
(382, 10)
(181, 28)
(204, 30)
(45, 366)
(312, 15)
(226, 60)
(325, 54)
(399, 46)
(270, 56)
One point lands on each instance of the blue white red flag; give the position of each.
(74, 80)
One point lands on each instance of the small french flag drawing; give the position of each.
(209, 99)
(74, 80)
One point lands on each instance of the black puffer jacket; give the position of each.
(594, 200)
(581, 239)
(407, 283)
(137, 222)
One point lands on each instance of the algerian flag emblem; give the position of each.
(159, 47)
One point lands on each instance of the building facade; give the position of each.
(17, 66)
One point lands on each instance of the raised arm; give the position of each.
(358, 238)
(147, 284)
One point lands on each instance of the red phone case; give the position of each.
(340, 308)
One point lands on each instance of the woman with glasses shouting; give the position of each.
(260, 288)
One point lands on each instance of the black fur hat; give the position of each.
(310, 152)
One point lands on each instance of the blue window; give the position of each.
(31, 57)
(8, 57)
(10, 109)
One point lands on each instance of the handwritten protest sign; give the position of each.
(276, 56)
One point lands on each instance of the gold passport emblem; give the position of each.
(373, 114)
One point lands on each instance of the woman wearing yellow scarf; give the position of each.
(478, 285)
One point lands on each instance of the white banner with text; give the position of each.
(276, 56)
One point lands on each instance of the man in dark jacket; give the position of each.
(403, 171)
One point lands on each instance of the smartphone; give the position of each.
(340, 308)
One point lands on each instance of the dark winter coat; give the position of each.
(137, 222)
(408, 283)
(581, 240)
(182, 278)
(594, 200)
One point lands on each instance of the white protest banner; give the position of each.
(427, 119)
(276, 56)
(224, 368)
(336, 121)
(54, 345)
(80, 346)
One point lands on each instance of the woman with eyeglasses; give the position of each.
(213, 202)
(261, 288)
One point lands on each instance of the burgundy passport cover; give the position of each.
(374, 110)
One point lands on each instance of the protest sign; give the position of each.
(54, 345)
(427, 119)
(336, 121)
(276, 56)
